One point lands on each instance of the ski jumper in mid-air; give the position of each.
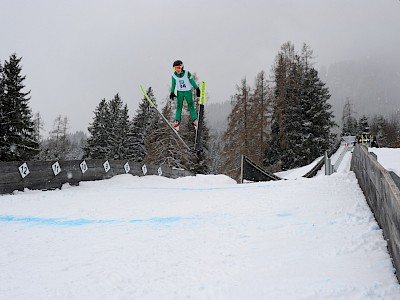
(183, 82)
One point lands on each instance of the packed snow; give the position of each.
(389, 158)
(200, 237)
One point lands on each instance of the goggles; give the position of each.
(177, 68)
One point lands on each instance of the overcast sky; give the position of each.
(77, 52)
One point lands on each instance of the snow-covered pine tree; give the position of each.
(202, 160)
(18, 141)
(117, 139)
(97, 145)
(378, 124)
(318, 119)
(278, 142)
(109, 131)
(146, 120)
(163, 146)
(391, 131)
(293, 154)
(3, 121)
(302, 120)
(363, 124)
(119, 129)
(349, 122)
(198, 163)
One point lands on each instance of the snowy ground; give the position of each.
(389, 158)
(202, 237)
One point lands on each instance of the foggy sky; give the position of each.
(77, 52)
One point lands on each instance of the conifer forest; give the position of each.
(282, 120)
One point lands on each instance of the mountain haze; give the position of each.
(372, 86)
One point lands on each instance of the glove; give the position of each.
(197, 92)
(172, 96)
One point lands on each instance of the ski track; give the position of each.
(203, 237)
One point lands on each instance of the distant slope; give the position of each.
(372, 86)
(217, 114)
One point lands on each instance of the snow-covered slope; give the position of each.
(202, 237)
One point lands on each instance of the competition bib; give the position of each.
(182, 84)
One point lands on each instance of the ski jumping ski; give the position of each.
(202, 102)
(162, 116)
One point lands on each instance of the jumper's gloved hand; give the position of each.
(172, 96)
(198, 92)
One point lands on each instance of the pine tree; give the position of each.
(97, 146)
(349, 123)
(317, 119)
(391, 132)
(237, 135)
(259, 118)
(293, 155)
(117, 139)
(3, 111)
(109, 131)
(163, 146)
(378, 123)
(146, 120)
(203, 158)
(301, 120)
(363, 125)
(278, 140)
(18, 140)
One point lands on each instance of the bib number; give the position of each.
(182, 84)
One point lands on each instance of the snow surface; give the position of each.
(299, 172)
(202, 237)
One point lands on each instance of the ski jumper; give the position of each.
(183, 83)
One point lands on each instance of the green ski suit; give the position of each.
(183, 91)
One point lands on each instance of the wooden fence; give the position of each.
(383, 197)
(252, 172)
(46, 175)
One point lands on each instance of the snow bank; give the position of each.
(389, 158)
(202, 237)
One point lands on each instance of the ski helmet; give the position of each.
(178, 63)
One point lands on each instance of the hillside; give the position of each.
(217, 114)
(372, 86)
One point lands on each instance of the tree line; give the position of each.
(113, 135)
(386, 129)
(146, 138)
(285, 120)
(282, 122)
